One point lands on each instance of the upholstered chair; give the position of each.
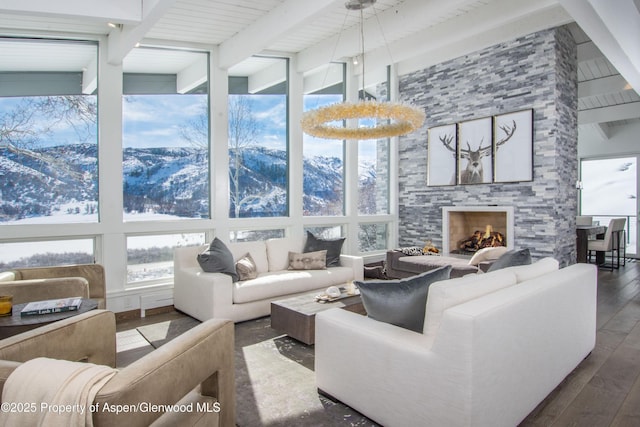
(193, 371)
(612, 242)
(55, 282)
(584, 220)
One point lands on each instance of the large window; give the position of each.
(44, 253)
(609, 190)
(48, 132)
(255, 235)
(150, 257)
(373, 161)
(258, 145)
(165, 135)
(372, 237)
(323, 169)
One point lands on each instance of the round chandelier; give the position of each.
(390, 118)
(397, 119)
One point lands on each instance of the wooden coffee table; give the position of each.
(296, 316)
(16, 324)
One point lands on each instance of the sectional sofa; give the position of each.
(493, 346)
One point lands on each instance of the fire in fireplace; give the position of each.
(465, 229)
(479, 240)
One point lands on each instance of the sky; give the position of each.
(156, 121)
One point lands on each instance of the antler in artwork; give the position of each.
(508, 133)
(446, 141)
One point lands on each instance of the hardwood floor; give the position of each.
(604, 390)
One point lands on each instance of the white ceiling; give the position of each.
(412, 34)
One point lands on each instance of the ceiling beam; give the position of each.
(323, 77)
(614, 29)
(90, 77)
(117, 11)
(495, 23)
(256, 37)
(123, 39)
(588, 52)
(602, 130)
(408, 14)
(602, 86)
(609, 114)
(192, 76)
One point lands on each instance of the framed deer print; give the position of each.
(513, 146)
(475, 151)
(442, 155)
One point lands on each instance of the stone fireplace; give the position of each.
(461, 223)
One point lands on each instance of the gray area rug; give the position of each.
(275, 381)
(160, 333)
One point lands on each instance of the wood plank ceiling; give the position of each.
(412, 33)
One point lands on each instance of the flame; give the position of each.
(487, 232)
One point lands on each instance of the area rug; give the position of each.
(158, 334)
(275, 381)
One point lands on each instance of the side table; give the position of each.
(16, 324)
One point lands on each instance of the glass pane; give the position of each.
(609, 190)
(373, 177)
(328, 233)
(323, 168)
(165, 138)
(44, 253)
(48, 138)
(258, 148)
(150, 257)
(372, 237)
(373, 159)
(255, 235)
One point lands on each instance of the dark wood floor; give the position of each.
(604, 390)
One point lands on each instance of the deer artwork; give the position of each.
(473, 172)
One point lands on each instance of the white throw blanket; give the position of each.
(51, 392)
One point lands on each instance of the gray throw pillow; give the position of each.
(333, 248)
(400, 302)
(218, 259)
(511, 259)
(308, 260)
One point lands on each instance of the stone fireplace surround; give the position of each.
(460, 222)
(536, 71)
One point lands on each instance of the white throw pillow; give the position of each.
(278, 252)
(487, 254)
(258, 251)
(448, 293)
(531, 271)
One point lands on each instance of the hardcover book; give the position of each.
(51, 306)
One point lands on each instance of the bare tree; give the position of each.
(23, 128)
(243, 131)
(196, 132)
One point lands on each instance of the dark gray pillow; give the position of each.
(511, 259)
(333, 248)
(400, 302)
(218, 259)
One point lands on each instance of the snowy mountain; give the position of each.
(163, 181)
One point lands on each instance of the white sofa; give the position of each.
(214, 295)
(486, 361)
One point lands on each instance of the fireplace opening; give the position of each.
(480, 239)
(468, 229)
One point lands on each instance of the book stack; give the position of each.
(51, 306)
